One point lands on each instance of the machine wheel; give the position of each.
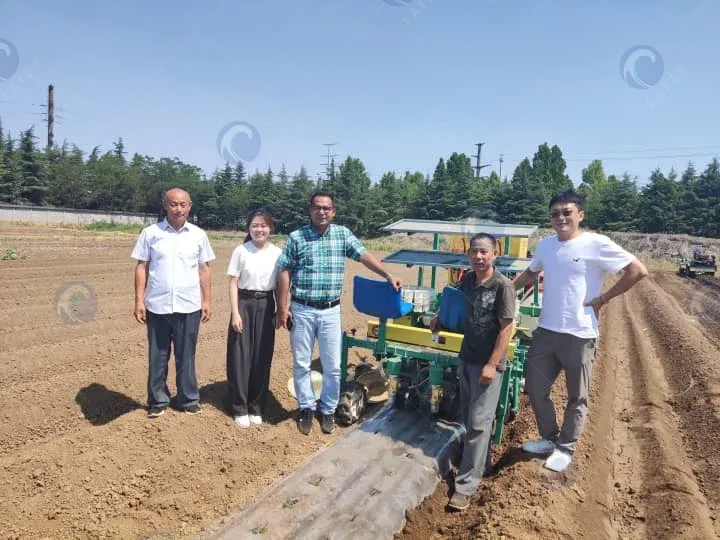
(352, 404)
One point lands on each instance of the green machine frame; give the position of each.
(400, 359)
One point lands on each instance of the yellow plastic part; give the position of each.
(417, 336)
(518, 247)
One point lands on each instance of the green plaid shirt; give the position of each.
(317, 263)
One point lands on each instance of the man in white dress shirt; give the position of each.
(172, 296)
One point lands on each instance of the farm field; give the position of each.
(79, 458)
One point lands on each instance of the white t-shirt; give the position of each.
(255, 268)
(573, 274)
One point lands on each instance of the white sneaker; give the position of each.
(242, 421)
(558, 461)
(541, 447)
(256, 419)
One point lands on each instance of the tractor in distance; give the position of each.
(702, 262)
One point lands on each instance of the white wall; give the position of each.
(40, 214)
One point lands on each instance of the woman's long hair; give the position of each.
(267, 216)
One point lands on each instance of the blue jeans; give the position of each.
(325, 326)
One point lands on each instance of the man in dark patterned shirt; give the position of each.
(314, 261)
(490, 311)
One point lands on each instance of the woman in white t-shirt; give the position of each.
(251, 333)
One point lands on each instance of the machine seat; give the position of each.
(378, 299)
(452, 309)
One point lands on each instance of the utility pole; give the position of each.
(329, 161)
(501, 162)
(51, 116)
(478, 167)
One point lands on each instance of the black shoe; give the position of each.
(193, 409)
(327, 423)
(304, 421)
(154, 412)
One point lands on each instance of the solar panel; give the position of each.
(464, 227)
(448, 259)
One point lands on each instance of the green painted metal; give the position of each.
(509, 403)
(436, 246)
(403, 363)
(437, 375)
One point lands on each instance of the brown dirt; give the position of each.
(647, 465)
(79, 459)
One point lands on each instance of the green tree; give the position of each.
(592, 188)
(659, 204)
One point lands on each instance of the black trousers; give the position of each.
(181, 331)
(249, 355)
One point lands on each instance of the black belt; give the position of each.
(317, 305)
(247, 293)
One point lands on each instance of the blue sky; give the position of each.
(398, 86)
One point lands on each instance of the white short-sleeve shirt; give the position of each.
(573, 273)
(174, 258)
(255, 268)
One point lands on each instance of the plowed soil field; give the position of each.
(79, 458)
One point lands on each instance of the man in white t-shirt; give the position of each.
(574, 263)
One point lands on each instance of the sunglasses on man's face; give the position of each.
(321, 208)
(565, 213)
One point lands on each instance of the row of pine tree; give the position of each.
(65, 176)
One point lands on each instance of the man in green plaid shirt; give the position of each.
(312, 269)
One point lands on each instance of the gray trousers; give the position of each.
(181, 330)
(550, 353)
(478, 403)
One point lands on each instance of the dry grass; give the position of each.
(662, 250)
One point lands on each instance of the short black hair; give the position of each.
(569, 196)
(322, 194)
(485, 236)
